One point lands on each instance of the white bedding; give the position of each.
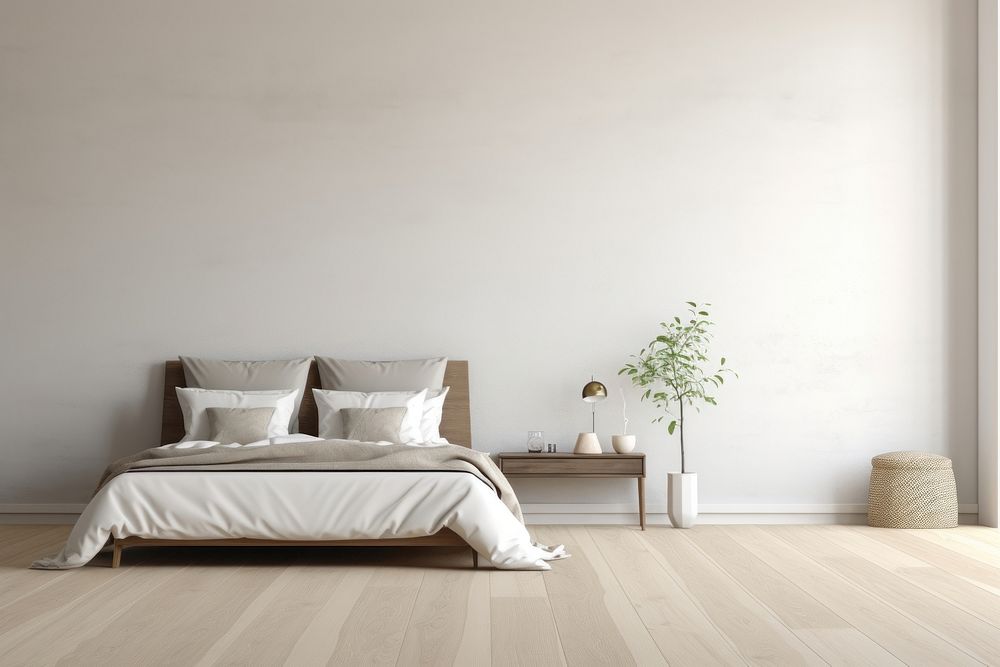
(301, 506)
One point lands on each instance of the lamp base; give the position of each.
(587, 443)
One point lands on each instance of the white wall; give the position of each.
(530, 186)
(989, 473)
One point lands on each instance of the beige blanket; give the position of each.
(324, 455)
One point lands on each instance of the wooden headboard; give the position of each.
(456, 423)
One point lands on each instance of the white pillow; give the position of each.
(372, 376)
(194, 402)
(249, 376)
(430, 422)
(330, 403)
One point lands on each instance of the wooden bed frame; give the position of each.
(456, 426)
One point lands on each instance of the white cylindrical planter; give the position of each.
(587, 443)
(682, 496)
(623, 444)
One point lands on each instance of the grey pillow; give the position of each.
(406, 375)
(240, 425)
(372, 424)
(250, 376)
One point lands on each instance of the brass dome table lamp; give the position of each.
(587, 443)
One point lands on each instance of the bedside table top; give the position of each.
(569, 455)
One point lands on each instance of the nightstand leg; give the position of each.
(642, 503)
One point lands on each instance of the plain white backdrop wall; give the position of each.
(989, 253)
(530, 186)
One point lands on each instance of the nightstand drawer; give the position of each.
(578, 465)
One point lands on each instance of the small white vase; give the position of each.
(623, 444)
(587, 443)
(682, 495)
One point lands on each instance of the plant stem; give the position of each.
(683, 470)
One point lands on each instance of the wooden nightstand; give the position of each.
(526, 464)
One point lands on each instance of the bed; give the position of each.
(155, 508)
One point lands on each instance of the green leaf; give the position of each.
(671, 426)
(722, 362)
(692, 304)
(703, 313)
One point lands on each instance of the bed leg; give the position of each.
(116, 556)
(475, 559)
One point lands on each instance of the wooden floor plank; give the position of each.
(434, 635)
(946, 585)
(826, 633)
(476, 644)
(523, 633)
(681, 630)
(523, 630)
(760, 638)
(587, 631)
(319, 639)
(941, 557)
(190, 613)
(271, 625)
(848, 647)
(987, 535)
(19, 583)
(795, 607)
(712, 595)
(963, 630)
(895, 632)
(961, 542)
(630, 625)
(21, 549)
(64, 631)
(16, 580)
(514, 584)
(374, 631)
(83, 582)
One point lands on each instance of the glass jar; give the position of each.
(536, 441)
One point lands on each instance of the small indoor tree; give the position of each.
(675, 371)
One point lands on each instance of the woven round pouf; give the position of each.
(912, 490)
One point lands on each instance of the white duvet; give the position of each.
(301, 506)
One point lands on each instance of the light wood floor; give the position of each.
(780, 595)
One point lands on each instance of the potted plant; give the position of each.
(675, 371)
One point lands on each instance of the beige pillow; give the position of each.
(373, 424)
(250, 376)
(369, 376)
(242, 425)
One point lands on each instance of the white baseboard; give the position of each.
(731, 513)
(54, 513)
(42, 508)
(577, 513)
